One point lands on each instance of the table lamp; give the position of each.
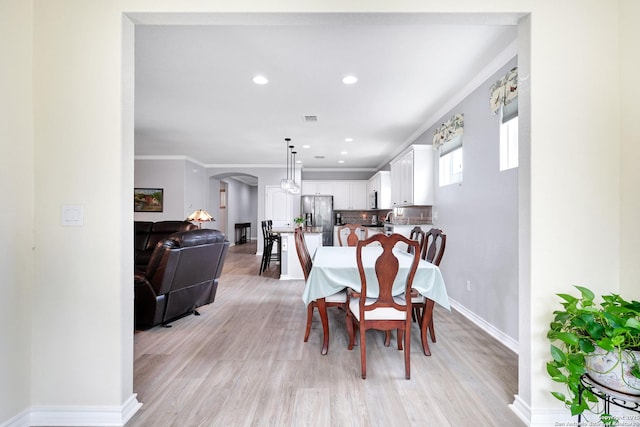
(200, 216)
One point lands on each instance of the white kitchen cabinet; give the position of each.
(341, 192)
(412, 177)
(347, 195)
(358, 195)
(381, 183)
(318, 188)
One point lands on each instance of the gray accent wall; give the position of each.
(480, 218)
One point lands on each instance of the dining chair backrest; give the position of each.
(265, 229)
(386, 269)
(303, 252)
(348, 234)
(417, 234)
(434, 243)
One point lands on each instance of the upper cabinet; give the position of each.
(347, 195)
(381, 184)
(321, 188)
(412, 177)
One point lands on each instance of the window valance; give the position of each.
(504, 91)
(449, 130)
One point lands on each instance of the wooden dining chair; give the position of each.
(433, 250)
(384, 312)
(348, 234)
(417, 234)
(336, 300)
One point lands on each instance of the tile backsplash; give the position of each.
(404, 215)
(412, 215)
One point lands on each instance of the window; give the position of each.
(509, 136)
(451, 162)
(509, 144)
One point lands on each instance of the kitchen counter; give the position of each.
(290, 268)
(291, 230)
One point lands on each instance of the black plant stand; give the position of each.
(611, 397)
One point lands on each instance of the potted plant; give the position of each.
(299, 221)
(599, 340)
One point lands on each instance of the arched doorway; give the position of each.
(235, 194)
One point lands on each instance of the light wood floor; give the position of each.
(243, 363)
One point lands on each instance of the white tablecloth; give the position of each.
(335, 268)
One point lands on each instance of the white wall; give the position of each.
(81, 354)
(630, 152)
(17, 213)
(480, 217)
(168, 175)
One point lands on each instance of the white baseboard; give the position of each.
(83, 415)
(506, 340)
(20, 420)
(521, 409)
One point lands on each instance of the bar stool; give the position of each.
(277, 239)
(269, 238)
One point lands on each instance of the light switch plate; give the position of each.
(72, 215)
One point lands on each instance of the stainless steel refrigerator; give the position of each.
(318, 212)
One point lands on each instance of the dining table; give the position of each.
(335, 268)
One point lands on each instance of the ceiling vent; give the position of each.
(310, 118)
(318, 157)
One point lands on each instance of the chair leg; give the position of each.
(309, 319)
(265, 256)
(350, 330)
(400, 334)
(363, 353)
(407, 351)
(427, 323)
(387, 338)
(428, 311)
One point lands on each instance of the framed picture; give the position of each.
(223, 198)
(148, 199)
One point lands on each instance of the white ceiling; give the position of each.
(194, 96)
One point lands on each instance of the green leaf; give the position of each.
(595, 331)
(578, 408)
(586, 345)
(618, 340)
(568, 298)
(568, 337)
(552, 369)
(606, 344)
(632, 323)
(586, 293)
(559, 396)
(635, 370)
(557, 354)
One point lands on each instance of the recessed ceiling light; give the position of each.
(340, 161)
(344, 153)
(348, 139)
(260, 80)
(306, 146)
(349, 80)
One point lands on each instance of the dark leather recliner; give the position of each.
(147, 234)
(181, 276)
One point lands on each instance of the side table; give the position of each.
(241, 232)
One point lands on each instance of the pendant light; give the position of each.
(295, 188)
(285, 183)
